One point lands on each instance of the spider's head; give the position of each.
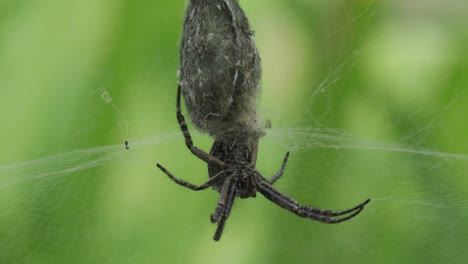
(239, 155)
(246, 185)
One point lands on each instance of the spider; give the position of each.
(231, 169)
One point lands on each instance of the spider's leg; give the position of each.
(194, 187)
(321, 215)
(227, 211)
(222, 200)
(188, 139)
(331, 213)
(280, 172)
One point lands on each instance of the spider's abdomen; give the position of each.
(219, 68)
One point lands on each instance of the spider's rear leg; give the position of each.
(280, 172)
(189, 185)
(308, 209)
(188, 138)
(321, 215)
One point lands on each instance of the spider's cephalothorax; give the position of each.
(239, 156)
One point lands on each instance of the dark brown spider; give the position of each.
(231, 168)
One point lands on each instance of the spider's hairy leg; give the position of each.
(229, 202)
(321, 215)
(222, 200)
(188, 139)
(280, 172)
(194, 187)
(325, 212)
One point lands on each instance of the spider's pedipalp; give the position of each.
(189, 185)
(324, 216)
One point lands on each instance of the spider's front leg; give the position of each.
(224, 206)
(188, 139)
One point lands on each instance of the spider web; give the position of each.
(357, 123)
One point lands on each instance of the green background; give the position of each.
(370, 97)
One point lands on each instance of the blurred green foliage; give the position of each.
(369, 95)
